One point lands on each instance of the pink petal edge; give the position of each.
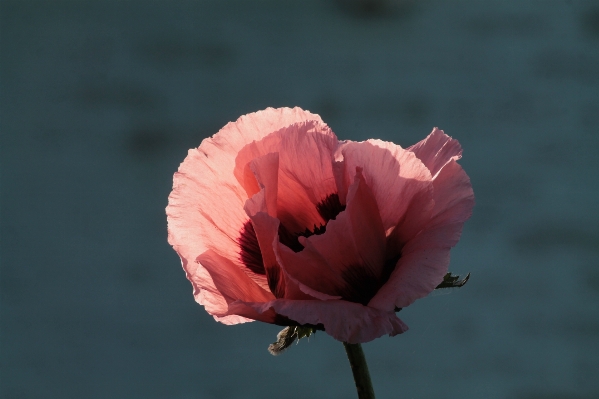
(436, 150)
(395, 176)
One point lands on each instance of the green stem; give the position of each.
(359, 368)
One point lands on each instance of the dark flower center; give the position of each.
(328, 209)
(361, 284)
(250, 254)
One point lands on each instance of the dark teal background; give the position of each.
(100, 101)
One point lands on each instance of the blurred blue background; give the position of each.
(100, 101)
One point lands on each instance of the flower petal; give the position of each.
(352, 249)
(436, 150)
(423, 263)
(203, 212)
(310, 271)
(266, 228)
(454, 198)
(266, 172)
(206, 204)
(206, 293)
(232, 283)
(205, 209)
(244, 310)
(229, 283)
(342, 179)
(260, 208)
(345, 321)
(267, 130)
(425, 259)
(310, 144)
(396, 177)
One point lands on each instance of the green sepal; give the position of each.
(451, 281)
(287, 336)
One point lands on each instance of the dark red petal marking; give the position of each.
(275, 282)
(250, 254)
(388, 268)
(290, 239)
(362, 284)
(328, 209)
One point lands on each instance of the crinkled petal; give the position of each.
(423, 263)
(436, 150)
(266, 228)
(203, 212)
(342, 179)
(310, 271)
(266, 172)
(280, 283)
(246, 311)
(305, 175)
(206, 293)
(397, 179)
(352, 249)
(425, 259)
(266, 139)
(232, 283)
(205, 209)
(345, 321)
(454, 198)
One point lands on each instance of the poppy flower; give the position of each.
(276, 220)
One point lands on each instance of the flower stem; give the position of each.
(359, 368)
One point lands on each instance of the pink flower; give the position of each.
(276, 220)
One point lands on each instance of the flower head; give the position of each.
(276, 220)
